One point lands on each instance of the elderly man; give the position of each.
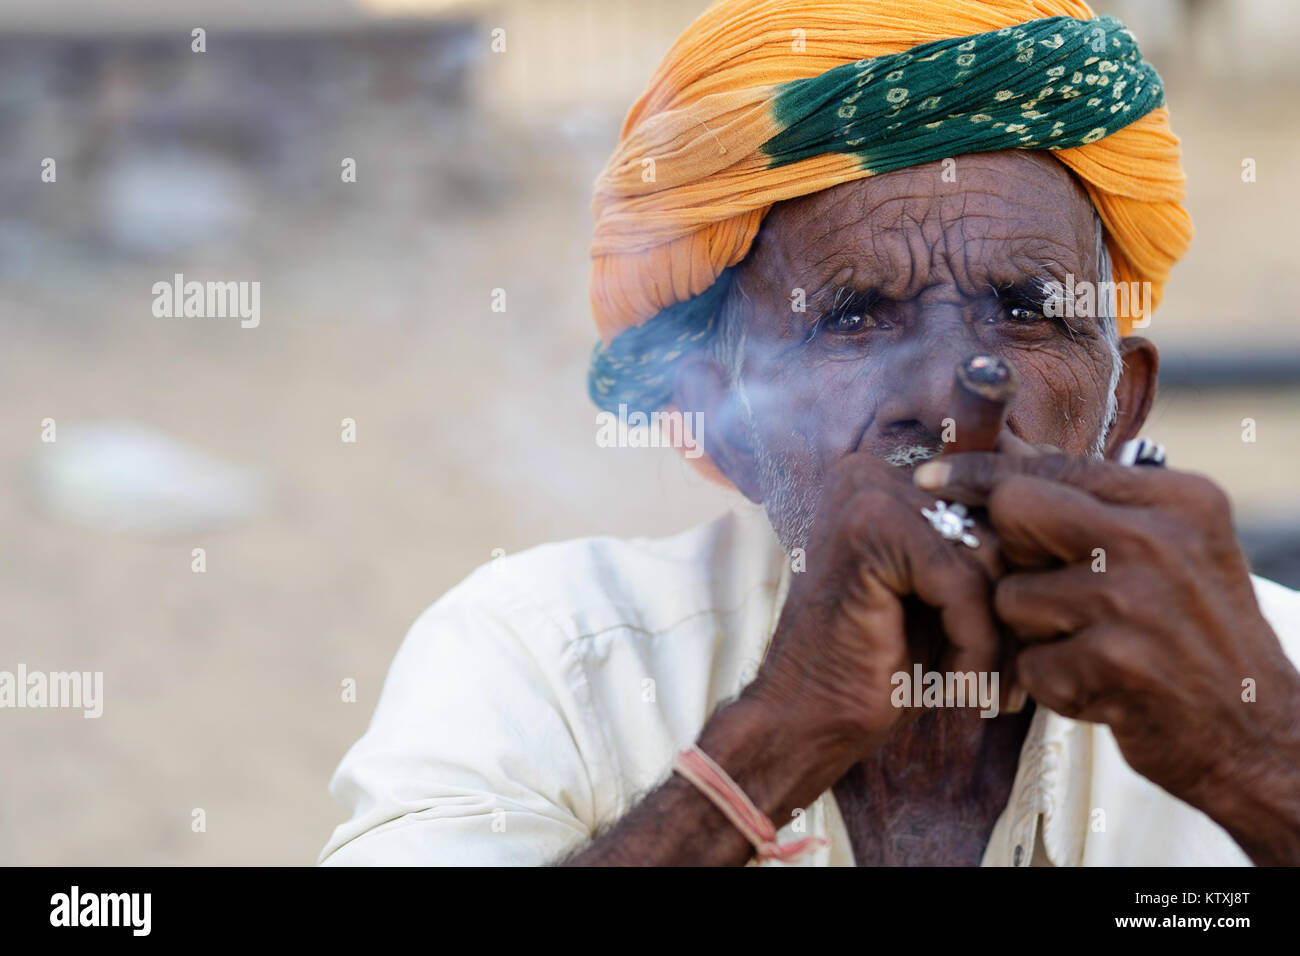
(817, 213)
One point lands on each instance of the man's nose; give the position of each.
(920, 381)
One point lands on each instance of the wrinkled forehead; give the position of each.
(965, 222)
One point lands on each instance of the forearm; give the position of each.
(779, 766)
(1271, 837)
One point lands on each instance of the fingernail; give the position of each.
(933, 474)
(1016, 700)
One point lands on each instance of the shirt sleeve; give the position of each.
(473, 756)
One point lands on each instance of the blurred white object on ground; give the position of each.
(117, 476)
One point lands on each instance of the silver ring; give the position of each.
(952, 523)
(1139, 451)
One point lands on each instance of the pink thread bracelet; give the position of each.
(723, 792)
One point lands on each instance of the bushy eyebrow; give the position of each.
(844, 296)
(1037, 289)
(839, 294)
(1035, 292)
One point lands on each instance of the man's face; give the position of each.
(904, 276)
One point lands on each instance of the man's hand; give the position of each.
(842, 631)
(821, 699)
(1133, 598)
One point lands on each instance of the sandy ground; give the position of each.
(474, 433)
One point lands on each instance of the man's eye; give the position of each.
(1024, 303)
(849, 322)
(1021, 314)
(852, 313)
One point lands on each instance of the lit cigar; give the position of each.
(981, 396)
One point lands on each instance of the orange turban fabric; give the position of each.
(718, 136)
(703, 115)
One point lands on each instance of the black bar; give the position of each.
(558, 907)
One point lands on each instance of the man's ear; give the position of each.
(702, 385)
(1135, 391)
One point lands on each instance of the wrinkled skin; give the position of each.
(932, 248)
(1159, 644)
(827, 394)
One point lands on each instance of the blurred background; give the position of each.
(224, 689)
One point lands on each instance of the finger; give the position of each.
(962, 593)
(971, 478)
(951, 661)
(1012, 444)
(887, 490)
(1040, 523)
(1013, 691)
(960, 586)
(945, 575)
(973, 641)
(1068, 676)
(1041, 605)
(1009, 443)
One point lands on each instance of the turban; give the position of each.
(761, 101)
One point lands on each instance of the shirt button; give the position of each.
(1019, 855)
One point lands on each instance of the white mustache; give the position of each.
(905, 455)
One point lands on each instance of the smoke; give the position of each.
(792, 505)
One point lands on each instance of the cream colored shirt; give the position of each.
(548, 692)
